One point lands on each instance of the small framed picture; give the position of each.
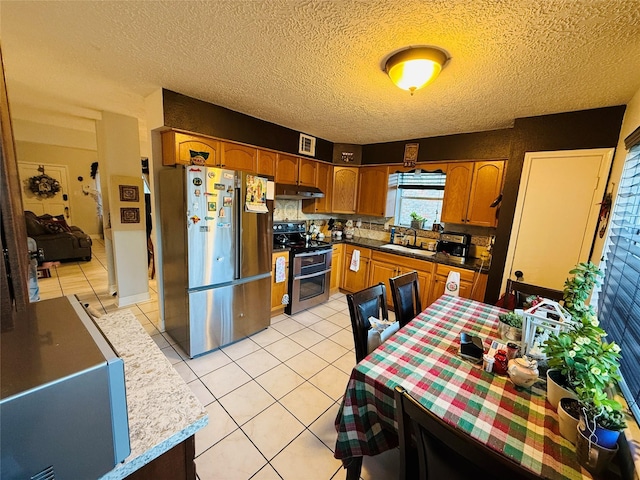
(129, 193)
(410, 154)
(129, 215)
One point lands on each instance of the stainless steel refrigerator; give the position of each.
(216, 255)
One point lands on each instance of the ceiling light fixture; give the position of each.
(413, 68)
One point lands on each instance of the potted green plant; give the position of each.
(510, 326)
(568, 352)
(601, 421)
(417, 221)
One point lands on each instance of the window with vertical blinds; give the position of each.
(619, 296)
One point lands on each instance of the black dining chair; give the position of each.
(405, 292)
(370, 302)
(443, 451)
(521, 291)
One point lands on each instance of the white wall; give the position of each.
(119, 152)
(630, 122)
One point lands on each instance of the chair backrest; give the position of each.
(522, 290)
(405, 292)
(370, 302)
(444, 451)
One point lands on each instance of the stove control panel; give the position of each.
(289, 227)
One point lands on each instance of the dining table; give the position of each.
(424, 358)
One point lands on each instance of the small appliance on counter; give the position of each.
(457, 245)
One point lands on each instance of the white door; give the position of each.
(556, 214)
(56, 205)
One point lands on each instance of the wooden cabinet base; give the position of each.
(175, 464)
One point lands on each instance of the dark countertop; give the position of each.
(470, 263)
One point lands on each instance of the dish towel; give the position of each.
(355, 261)
(452, 287)
(280, 275)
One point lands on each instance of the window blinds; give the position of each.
(619, 297)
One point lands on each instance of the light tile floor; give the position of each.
(272, 398)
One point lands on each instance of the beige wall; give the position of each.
(78, 162)
(629, 124)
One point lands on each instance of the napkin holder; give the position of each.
(471, 347)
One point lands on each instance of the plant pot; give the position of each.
(555, 390)
(417, 224)
(507, 332)
(603, 436)
(592, 456)
(568, 415)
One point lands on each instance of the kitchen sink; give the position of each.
(408, 249)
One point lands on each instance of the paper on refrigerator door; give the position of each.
(256, 200)
(355, 261)
(452, 287)
(280, 274)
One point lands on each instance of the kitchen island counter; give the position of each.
(162, 410)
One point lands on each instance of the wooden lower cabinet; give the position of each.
(337, 260)
(467, 281)
(385, 266)
(175, 464)
(355, 281)
(278, 290)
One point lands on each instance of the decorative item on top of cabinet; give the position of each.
(356, 280)
(467, 280)
(324, 181)
(239, 157)
(345, 189)
(287, 169)
(181, 148)
(470, 189)
(373, 183)
(337, 260)
(267, 163)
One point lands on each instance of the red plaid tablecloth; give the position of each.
(423, 358)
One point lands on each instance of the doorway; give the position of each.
(556, 214)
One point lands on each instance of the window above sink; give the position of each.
(420, 192)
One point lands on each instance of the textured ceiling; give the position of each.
(315, 66)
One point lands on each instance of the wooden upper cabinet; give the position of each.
(373, 183)
(470, 189)
(456, 192)
(267, 163)
(345, 189)
(324, 181)
(239, 157)
(485, 188)
(307, 172)
(287, 169)
(181, 148)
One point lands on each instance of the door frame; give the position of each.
(592, 224)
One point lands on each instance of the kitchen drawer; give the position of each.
(465, 275)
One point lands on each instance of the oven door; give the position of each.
(310, 280)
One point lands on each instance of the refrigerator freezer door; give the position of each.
(222, 315)
(255, 235)
(210, 226)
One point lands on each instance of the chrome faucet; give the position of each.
(415, 235)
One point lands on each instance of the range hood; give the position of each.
(297, 192)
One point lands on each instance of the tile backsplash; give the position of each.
(372, 227)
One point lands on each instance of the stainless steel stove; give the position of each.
(309, 265)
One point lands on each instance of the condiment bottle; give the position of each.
(501, 362)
